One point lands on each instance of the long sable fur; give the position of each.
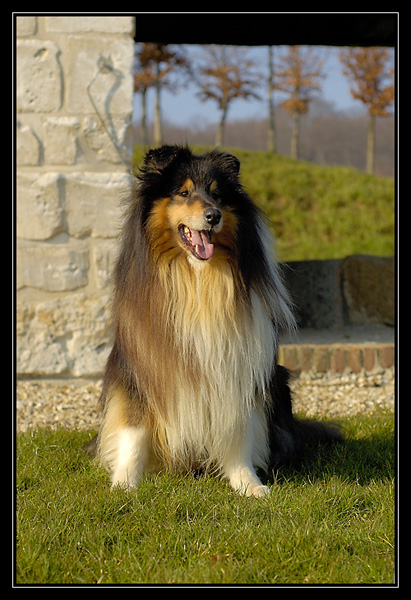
(164, 343)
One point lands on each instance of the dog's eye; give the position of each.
(185, 193)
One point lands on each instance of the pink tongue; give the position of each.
(201, 244)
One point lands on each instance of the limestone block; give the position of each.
(104, 256)
(39, 77)
(26, 26)
(88, 351)
(39, 205)
(111, 88)
(101, 24)
(63, 336)
(52, 267)
(60, 140)
(93, 203)
(41, 357)
(28, 146)
(114, 147)
(369, 289)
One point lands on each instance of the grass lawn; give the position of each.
(330, 522)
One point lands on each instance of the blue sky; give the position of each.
(184, 108)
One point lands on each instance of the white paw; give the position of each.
(124, 480)
(123, 485)
(259, 491)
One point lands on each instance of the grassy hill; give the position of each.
(317, 212)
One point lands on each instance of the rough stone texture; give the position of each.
(26, 26)
(104, 255)
(28, 146)
(334, 293)
(65, 336)
(39, 82)
(315, 287)
(74, 81)
(60, 140)
(90, 209)
(369, 283)
(56, 268)
(96, 136)
(99, 68)
(40, 212)
(89, 24)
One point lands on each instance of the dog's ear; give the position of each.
(225, 162)
(230, 163)
(155, 161)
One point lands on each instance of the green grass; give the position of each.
(330, 522)
(317, 212)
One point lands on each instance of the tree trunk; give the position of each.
(158, 137)
(271, 125)
(144, 135)
(371, 145)
(220, 129)
(295, 135)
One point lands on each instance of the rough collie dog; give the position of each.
(192, 380)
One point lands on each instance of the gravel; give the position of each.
(73, 404)
(332, 395)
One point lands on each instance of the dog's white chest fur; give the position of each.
(236, 361)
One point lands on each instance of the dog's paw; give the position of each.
(259, 491)
(124, 486)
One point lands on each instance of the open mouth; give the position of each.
(198, 242)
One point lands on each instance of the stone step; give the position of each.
(349, 349)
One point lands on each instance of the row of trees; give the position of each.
(328, 136)
(225, 73)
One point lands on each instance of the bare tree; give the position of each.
(372, 77)
(226, 75)
(144, 78)
(155, 63)
(271, 141)
(298, 73)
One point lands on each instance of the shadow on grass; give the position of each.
(371, 458)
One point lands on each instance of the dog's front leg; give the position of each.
(237, 464)
(133, 451)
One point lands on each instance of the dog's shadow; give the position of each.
(354, 460)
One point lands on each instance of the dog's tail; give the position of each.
(312, 433)
(289, 443)
(290, 436)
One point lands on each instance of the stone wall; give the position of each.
(74, 79)
(74, 109)
(330, 294)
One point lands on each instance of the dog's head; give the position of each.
(192, 199)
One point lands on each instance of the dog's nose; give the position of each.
(212, 216)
